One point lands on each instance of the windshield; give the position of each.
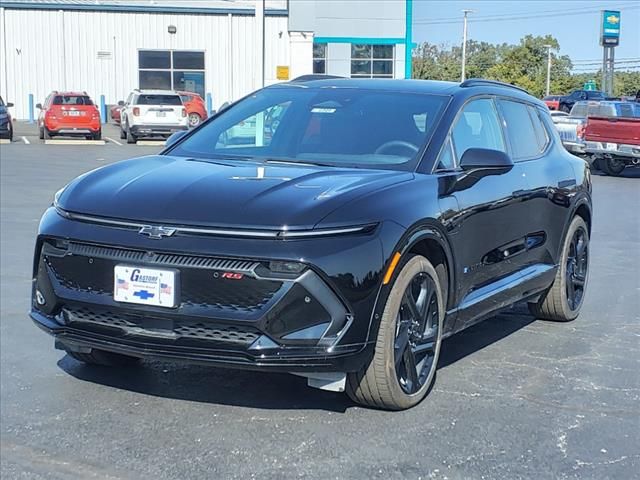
(328, 126)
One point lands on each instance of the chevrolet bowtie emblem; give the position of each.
(156, 231)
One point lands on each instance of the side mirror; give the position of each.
(39, 106)
(121, 103)
(9, 105)
(485, 159)
(174, 138)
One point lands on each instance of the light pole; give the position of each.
(464, 44)
(548, 47)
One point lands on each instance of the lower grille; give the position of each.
(201, 287)
(86, 318)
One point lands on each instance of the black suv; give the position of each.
(336, 229)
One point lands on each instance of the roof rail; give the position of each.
(474, 82)
(315, 76)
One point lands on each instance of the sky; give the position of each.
(574, 23)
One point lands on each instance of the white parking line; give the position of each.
(4, 141)
(74, 142)
(147, 143)
(26, 140)
(114, 141)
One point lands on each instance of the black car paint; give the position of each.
(566, 102)
(6, 124)
(472, 217)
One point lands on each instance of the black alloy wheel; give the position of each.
(405, 359)
(416, 333)
(577, 265)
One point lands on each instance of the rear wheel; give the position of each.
(41, 133)
(612, 166)
(102, 357)
(408, 345)
(563, 300)
(97, 135)
(123, 134)
(194, 119)
(130, 137)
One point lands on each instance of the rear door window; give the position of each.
(521, 132)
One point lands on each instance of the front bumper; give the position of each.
(316, 321)
(156, 130)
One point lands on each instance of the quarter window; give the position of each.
(538, 126)
(320, 58)
(521, 131)
(477, 127)
(171, 70)
(372, 61)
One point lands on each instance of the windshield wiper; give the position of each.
(295, 162)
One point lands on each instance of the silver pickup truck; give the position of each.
(571, 128)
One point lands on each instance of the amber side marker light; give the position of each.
(392, 267)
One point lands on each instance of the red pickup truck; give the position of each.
(614, 142)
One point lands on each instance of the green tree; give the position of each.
(524, 64)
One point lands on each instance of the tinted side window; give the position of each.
(538, 126)
(520, 130)
(477, 126)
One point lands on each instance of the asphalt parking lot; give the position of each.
(514, 398)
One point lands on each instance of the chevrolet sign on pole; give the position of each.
(610, 28)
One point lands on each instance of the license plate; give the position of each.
(144, 286)
(611, 146)
(161, 114)
(74, 113)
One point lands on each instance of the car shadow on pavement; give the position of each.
(483, 334)
(268, 390)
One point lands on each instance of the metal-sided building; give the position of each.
(215, 48)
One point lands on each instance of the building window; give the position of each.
(320, 58)
(372, 61)
(171, 70)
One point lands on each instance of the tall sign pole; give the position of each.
(609, 39)
(549, 47)
(464, 44)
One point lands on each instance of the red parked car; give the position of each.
(196, 108)
(69, 113)
(552, 101)
(114, 112)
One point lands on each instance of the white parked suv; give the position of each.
(151, 113)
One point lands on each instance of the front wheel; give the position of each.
(406, 353)
(562, 302)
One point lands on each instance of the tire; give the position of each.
(565, 109)
(194, 120)
(556, 303)
(97, 135)
(123, 134)
(47, 133)
(380, 383)
(612, 166)
(104, 358)
(41, 133)
(130, 137)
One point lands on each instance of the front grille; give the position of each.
(87, 318)
(89, 269)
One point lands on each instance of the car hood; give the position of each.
(180, 191)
